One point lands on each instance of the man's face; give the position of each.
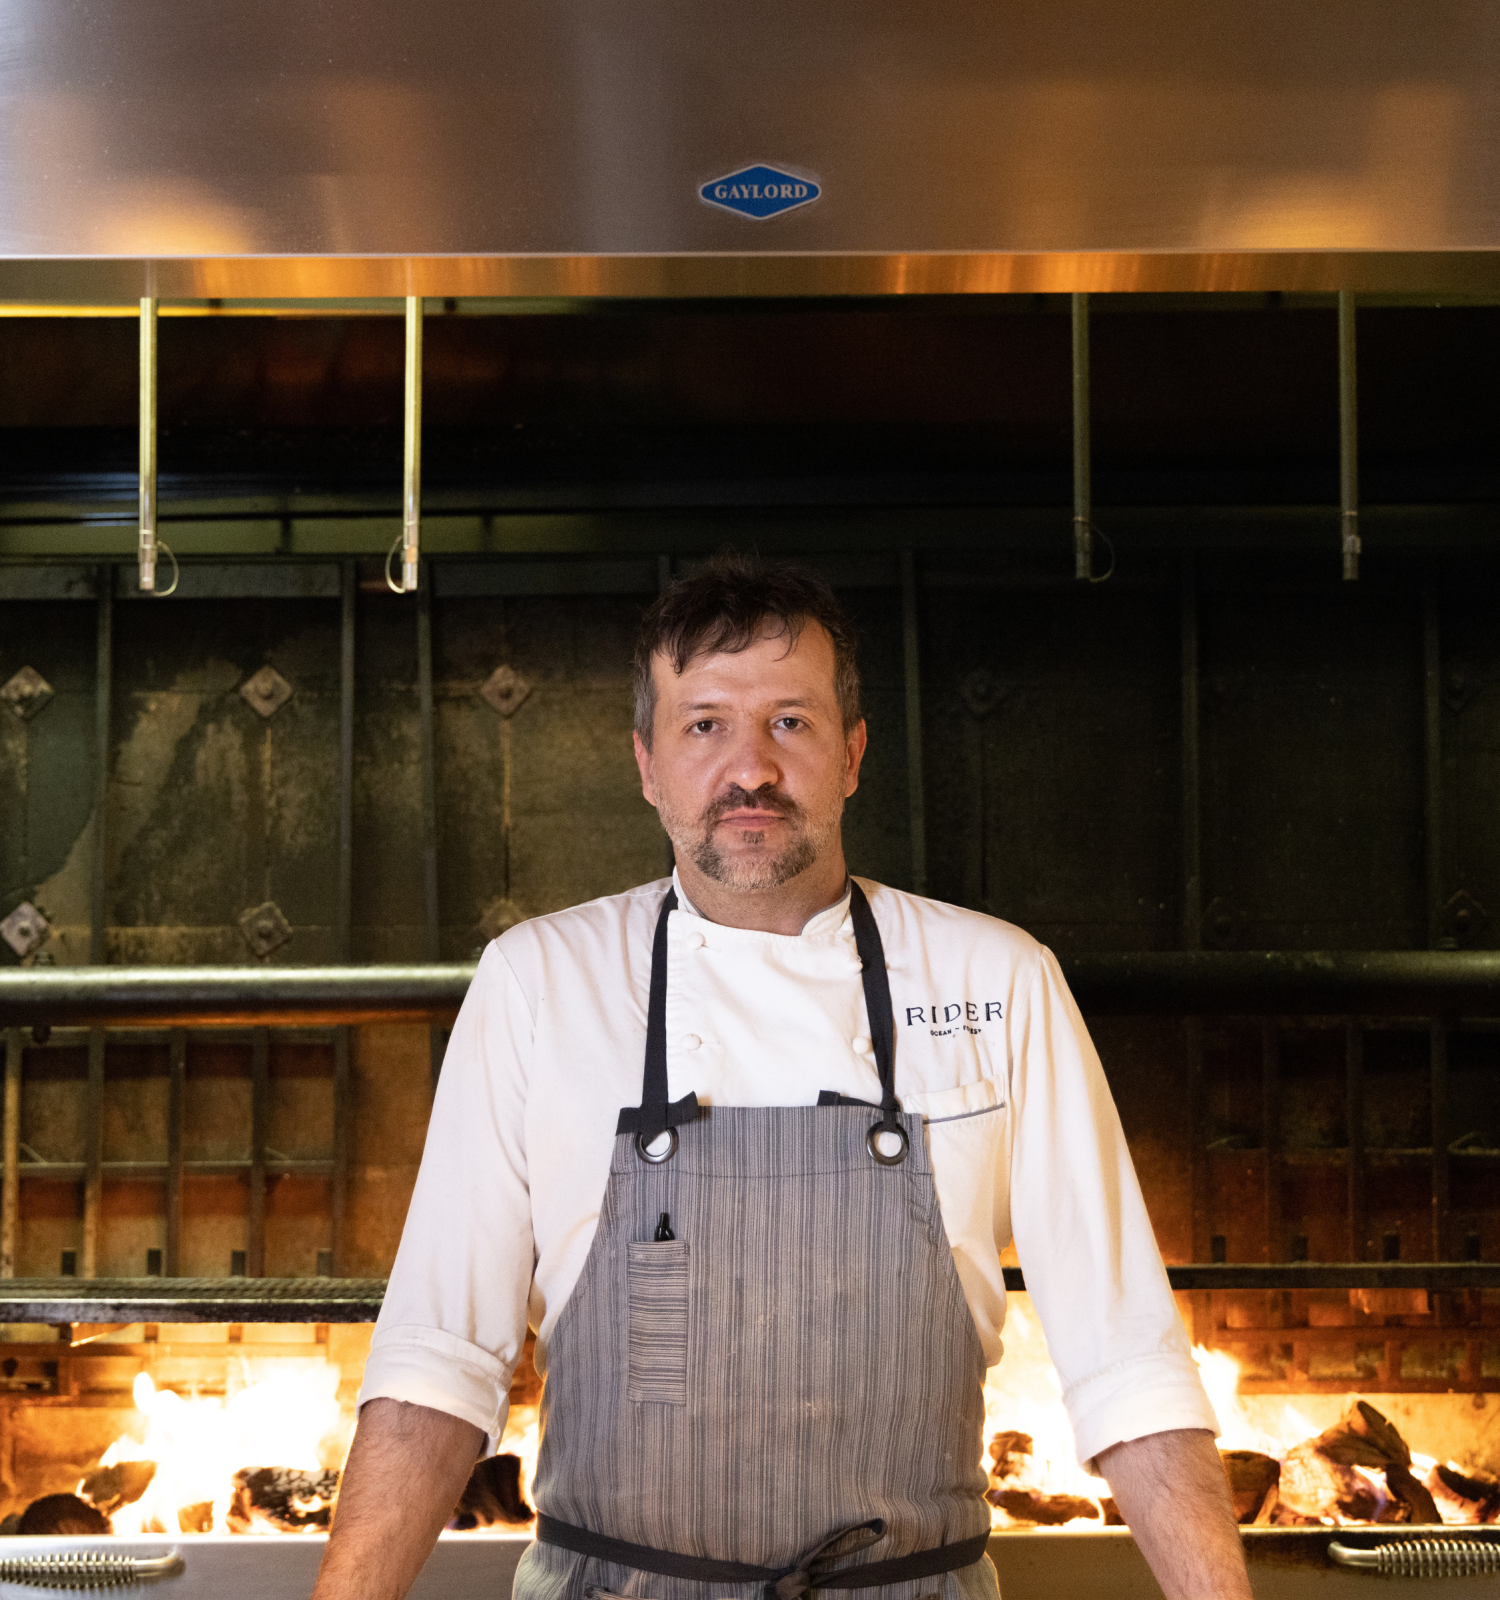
(749, 766)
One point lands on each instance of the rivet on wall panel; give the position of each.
(981, 692)
(505, 690)
(266, 691)
(265, 928)
(26, 693)
(25, 930)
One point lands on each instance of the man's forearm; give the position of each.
(406, 1470)
(1170, 1488)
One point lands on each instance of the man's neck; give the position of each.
(787, 909)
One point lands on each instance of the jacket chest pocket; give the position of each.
(657, 1284)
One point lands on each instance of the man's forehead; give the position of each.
(774, 662)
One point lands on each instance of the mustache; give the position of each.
(766, 798)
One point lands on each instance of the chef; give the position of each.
(744, 1146)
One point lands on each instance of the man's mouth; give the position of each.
(749, 819)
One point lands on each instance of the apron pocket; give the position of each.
(657, 1278)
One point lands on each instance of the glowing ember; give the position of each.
(1284, 1468)
(1359, 1469)
(1042, 1482)
(290, 1421)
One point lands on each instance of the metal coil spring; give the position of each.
(86, 1569)
(1422, 1558)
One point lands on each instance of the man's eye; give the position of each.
(792, 722)
(703, 727)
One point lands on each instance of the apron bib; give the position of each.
(767, 1379)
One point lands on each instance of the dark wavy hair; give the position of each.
(725, 605)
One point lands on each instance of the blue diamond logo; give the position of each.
(760, 192)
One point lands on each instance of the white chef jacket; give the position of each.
(990, 1048)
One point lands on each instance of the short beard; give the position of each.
(806, 842)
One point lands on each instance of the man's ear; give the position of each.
(854, 753)
(643, 761)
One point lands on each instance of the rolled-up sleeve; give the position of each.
(1084, 1239)
(453, 1323)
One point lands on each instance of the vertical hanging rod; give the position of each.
(411, 477)
(1083, 551)
(149, 545)
(1348, 437)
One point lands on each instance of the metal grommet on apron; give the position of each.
(767, 1380)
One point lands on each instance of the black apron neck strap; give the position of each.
(654, 1116)
(878, 1008)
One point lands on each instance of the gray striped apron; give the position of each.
(767, 1380)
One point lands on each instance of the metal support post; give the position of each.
(343, 1042)
(1354, 1115)
(176, 1110)
(103, 695)
(431, 926)
(1441, 1135)
(10, 1190)
(1270, 1135)
(93, 1155)
(1433, 729)
(1192, 831)
(260, 1107)
(343, 919)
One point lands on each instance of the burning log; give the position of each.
(284, 1498)
(1010, 1450)
(492, 1496)
(1251, 1477)
(1472, 1496)
(1362, 1437)
(1050, 1510)
(109, 1488)
(1313, 1487)
(62, 1513)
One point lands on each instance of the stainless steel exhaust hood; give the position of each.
(503, 147)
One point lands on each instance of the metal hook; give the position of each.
(165, 549)
(1088, 572)
(390, 582)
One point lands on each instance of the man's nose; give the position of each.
(753, 761)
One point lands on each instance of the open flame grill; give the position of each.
(1409, 1327)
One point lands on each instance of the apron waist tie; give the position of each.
(782, 1583)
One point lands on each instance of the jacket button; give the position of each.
(690, 1041)
(863, 1045)
(695, 941)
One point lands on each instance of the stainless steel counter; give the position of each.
(1285, 1564)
